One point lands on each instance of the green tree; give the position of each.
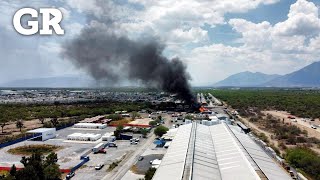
(41, 119)
(13, 170)
(52, 172)
(306, 160)
(144, 132)
(152, 123)
(149, 174)
(27, 173)
(118, 131)
(37, 168)
(19, 124)
(3, 124)
(134, 115)
(54, 121)
(51, 159)
(160, 130)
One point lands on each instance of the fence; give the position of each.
(18, 140)
(9, 143)
(84, 160)
(9, 168)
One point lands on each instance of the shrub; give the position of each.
(306, 160)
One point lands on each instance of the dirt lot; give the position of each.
(281, 114)
(300, 122)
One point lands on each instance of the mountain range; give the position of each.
(52, 82)
(308, 76)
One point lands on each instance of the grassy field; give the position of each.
(29, 149)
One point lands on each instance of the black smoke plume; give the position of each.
(108, 56)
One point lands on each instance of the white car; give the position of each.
(313, 127)
(98, 167)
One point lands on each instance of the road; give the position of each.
(130, 159)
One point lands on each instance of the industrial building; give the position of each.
(83, 137)
(109, 136)
(90, 125)
(43, 134)
(217, 152)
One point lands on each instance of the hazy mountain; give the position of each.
(308, 76)
(246, 79)
(52, 82)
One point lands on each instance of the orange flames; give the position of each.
(202, 109)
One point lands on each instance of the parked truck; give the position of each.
(98, 148)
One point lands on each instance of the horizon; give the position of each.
(270, 37)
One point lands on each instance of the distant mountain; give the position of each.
(51, 82)
(308, 76)
(246, 79)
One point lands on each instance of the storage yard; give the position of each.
(209, 141)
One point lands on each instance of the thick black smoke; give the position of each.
(111, 57)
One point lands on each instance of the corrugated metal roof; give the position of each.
(205, 165)
(268, 166)
(232, 161)
(215, 152)
(172, 165)
(41, 130)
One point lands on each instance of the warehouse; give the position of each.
(90, 125)
(43, 134)
(216, 152)
(84, 137)
(109, 136)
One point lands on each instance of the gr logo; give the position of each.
(33, 25)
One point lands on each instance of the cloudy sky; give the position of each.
(214, 38)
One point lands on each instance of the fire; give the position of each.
(202, 109)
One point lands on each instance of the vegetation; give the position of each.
(36, 167)
(305, 160)
(19, 124)
(160, 130)
(11, 112)
(30, 149)
(118, 131)
(152, 123)
(119, 122)
(113, 165)
(303, 103)
(149, 174)
(114, 117)
(135, 115)
(144, 132)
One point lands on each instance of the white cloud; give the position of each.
(280, 49)
(302, 20)
(194, 35)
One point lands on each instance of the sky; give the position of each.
(214, 38)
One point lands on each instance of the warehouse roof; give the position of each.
(41, 130)
(216, 152)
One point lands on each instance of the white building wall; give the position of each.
(50, 133)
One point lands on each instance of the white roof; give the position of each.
(172, 165)
(271, 169)
(215, 152)
(41, 130)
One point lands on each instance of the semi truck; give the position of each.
(98, 148)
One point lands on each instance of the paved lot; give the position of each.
(113, 154)
(70, 153)
(144, 165)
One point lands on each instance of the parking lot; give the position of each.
(68, 155)
(70, 152)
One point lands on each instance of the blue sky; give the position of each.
(214, 38)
